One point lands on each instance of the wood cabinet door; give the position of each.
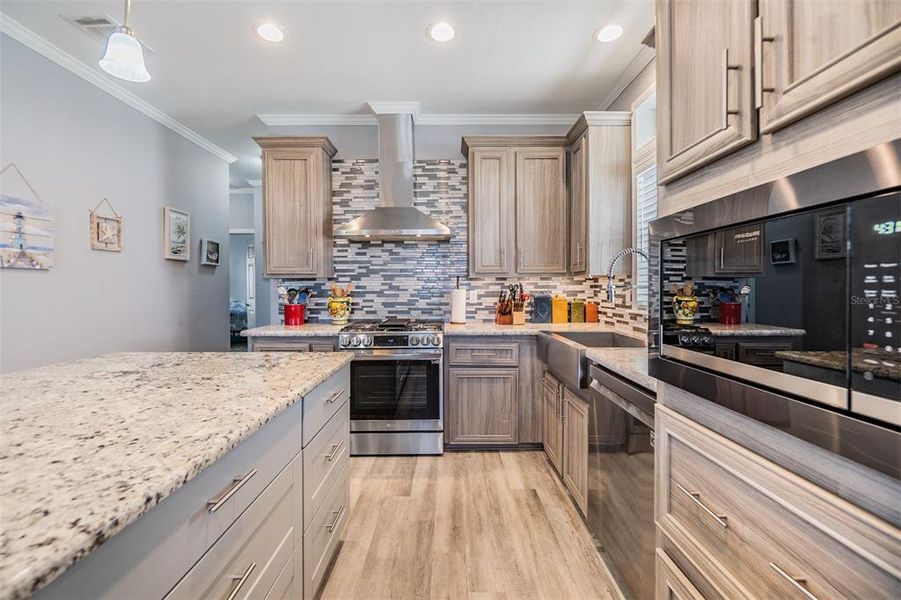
(575, 448)
(540, 211)
(704, 82)
(740, 250)
(288, 211)
(810, 54)
(578, 211)
(491, 183)
(672, 584)
(482, 407)
(552, 429)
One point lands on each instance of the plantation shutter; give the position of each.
(646, 211)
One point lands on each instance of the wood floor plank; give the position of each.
(466, 525)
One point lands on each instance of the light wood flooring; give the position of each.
(469, 525)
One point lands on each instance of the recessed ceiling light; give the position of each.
(441, 32)
(608, 33)
(270, 32)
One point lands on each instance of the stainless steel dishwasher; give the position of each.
(621, 479)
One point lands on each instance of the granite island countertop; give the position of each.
(751, 329)
(490, 328)
(630, 363)
(305, 330)
(881, 363)
(89, 446)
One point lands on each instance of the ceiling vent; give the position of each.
(98, 27)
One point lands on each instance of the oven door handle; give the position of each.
(426, 356)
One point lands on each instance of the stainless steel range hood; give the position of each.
(395, 219)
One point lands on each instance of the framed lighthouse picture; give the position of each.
(26, 224)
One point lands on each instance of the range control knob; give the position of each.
(344, 341)
(414, 340)
(436, 340)
(356, 341)
(367, 341)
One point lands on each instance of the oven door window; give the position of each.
(395, 389)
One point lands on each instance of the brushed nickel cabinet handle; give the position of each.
(241, 579)
(484, 355)
(696, 498)
(331, 526)
(216, 503)
(726, 68)
(759, 39)
(334, 397)
(797, 582)
(335, 448)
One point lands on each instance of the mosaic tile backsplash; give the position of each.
(414, 279)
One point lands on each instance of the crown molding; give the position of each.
(242, 190)
(608, 117)
(38, 44)
(254, 183)
(642, 59)
(288, 120)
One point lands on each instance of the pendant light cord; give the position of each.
(126, 25)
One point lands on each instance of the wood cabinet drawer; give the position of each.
(247, 560)
(671, 582)
(483, 354)
(323, 402)
(285, 586)
(323, 460)
(761, 353)
(322, 536)
(305, 344)
(755, 529)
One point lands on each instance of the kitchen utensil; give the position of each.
(292, 295)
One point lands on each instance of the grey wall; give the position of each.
(645, 79)
(240, 212)
(77, 145)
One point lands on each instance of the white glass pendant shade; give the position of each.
(124, 58)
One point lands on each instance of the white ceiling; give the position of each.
(211, 73)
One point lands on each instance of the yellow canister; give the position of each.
(559, 310)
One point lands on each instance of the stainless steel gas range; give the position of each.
(396, 381)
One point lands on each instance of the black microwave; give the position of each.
(789, 296)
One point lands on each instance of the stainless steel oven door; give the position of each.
(396, 391)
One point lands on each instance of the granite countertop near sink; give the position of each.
(490, 328)
(89, 446)
(751, 329)
(630, 363)
(305, 330)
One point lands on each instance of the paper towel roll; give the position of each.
(458, 306)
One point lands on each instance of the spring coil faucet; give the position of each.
(611, 286)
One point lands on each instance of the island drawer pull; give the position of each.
(696, 498)
(241, 579)
(237, 483)
(335, 447)
(335, 396)
(797, 582)
(492, 354)
(331, 526)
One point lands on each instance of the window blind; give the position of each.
(646, 211)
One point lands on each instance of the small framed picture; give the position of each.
(106, 230)
(831, 240)
(209, 252)
(176, 234)
(782, 252)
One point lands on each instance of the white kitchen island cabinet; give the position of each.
(265, 437)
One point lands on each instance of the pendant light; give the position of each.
(124, 56)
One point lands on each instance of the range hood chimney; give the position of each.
(394, 219)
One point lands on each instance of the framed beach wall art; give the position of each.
(209, 252)
(176, 234)
(27, 229)
(106, 230)
(830, 240)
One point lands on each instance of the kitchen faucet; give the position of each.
(611, 286)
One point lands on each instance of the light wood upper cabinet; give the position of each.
(704, 82)
(810, 54)
(517, 205)
(540, 211)
(578, 208)
(599, 191)
(297, 206)
(483, 405)
(491, 233)
(575, 448)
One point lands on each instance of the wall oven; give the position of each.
(782, 302)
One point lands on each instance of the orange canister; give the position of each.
(559, 310)
(591, 312)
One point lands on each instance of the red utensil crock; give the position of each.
(294, 314)
(730, 313)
